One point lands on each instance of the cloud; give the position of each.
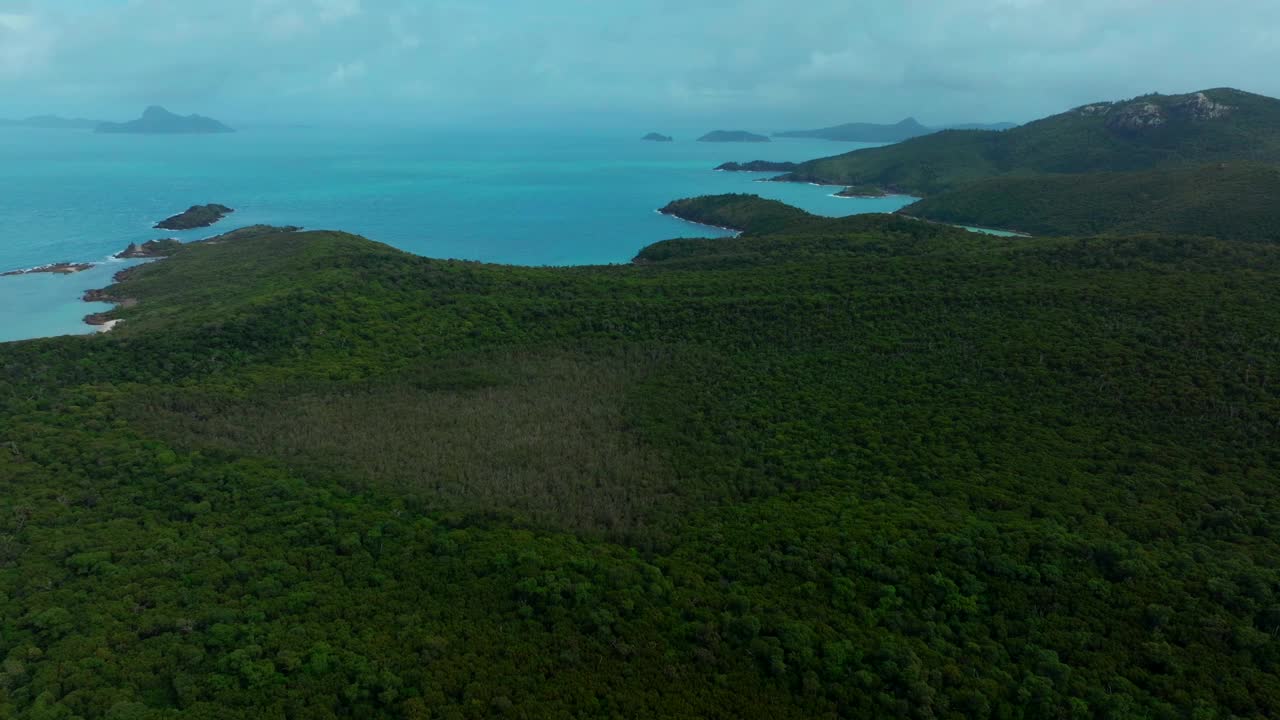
(346, 72)
(753, 61)
(332, 11)
(24, 44)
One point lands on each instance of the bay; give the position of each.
(525, 198)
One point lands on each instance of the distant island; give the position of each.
(156, 120)
(53, 122)
(197, 216)
(658, 137)
(877, 133)
(733, 136)
(997, 127)
(863, 132)
(759, 166)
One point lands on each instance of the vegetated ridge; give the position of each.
(850, 467)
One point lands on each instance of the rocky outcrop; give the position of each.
(197, 216)
(1198, 106)
(1147, 114)
(1137, 117)
(1095, 109)
(658, 137)
(149, 249)
(759, 166)
(862, 191)
(62, 268)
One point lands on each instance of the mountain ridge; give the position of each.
(156, 120)
(1149, 131)
(885, 133)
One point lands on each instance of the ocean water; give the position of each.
(526, 199)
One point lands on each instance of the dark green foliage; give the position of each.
(864, 468)
(1092, 139)
(862, 191)
(758, 166)
(746, 213)
(1228, 200)
(197, 216)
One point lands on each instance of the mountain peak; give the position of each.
(158, 120)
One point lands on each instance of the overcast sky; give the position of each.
(759, 64)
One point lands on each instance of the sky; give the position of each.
(655, 64)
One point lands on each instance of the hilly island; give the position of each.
(877, 133)
(1141, 134)
(1201, 163)
(156, 120)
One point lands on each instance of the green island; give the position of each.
(197, 216)
(1145, 133)
(1202, 163)
(758, 166)
(856, 467)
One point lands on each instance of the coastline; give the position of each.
(133, 256)
(994, 232)
(796, 182)
(871, 197)
(736, 231)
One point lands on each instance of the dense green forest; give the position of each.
(1148, 132)
(1227, 200)
(872, 467)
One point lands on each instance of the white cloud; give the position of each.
(346, 72)
(332, 11)
(286, 24)
(25, 44)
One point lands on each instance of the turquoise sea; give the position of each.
(527, 199)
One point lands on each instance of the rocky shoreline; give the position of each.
(863, 191)
(155, 250)
(149, 249)
(61, 268)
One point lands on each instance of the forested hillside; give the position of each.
(862, 468)
(1152, 131)
(1227, 200)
